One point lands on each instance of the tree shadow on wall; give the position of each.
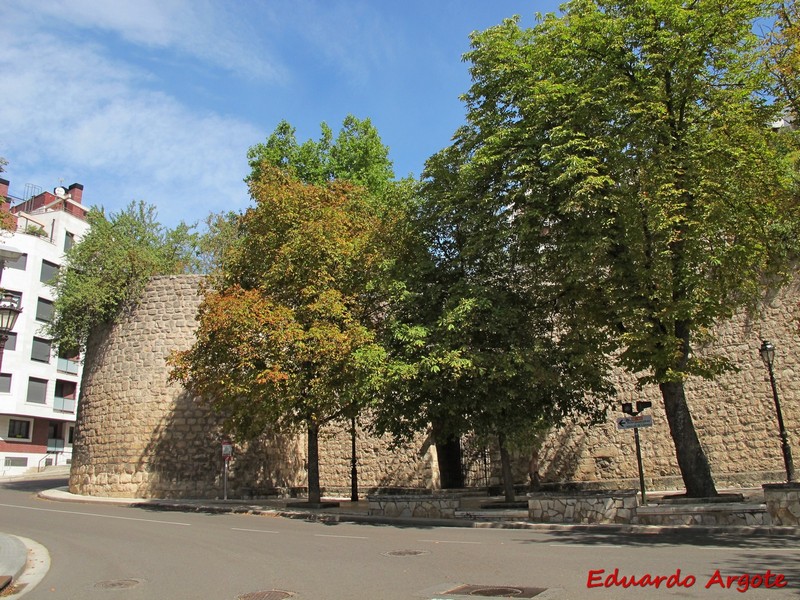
(396, 472)
(562, 452)
(183, 458)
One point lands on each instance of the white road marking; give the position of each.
(587, 545)
(347, 537)
(447, 542)
(254, 530)
(85, 514)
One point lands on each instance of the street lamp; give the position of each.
(767, 352)
(9, 311)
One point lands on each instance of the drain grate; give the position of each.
(406, 553)
(117, 584)
(265, 595)
(497, 591)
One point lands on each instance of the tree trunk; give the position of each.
(505, 465)
(448, 453)
(692, 460)
(533, 469)
(314, 490)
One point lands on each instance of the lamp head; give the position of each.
(9, 311)
(767, 352)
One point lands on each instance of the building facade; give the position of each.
(39, 382)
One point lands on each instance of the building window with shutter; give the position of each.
(41, 349)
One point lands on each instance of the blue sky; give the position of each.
(159, 100)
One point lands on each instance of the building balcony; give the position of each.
(65, 365)
(55, 445)
(64, 404)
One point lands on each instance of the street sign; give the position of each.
(635, 422)
(227, 449)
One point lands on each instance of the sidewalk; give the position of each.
(472, 513)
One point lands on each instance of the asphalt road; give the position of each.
(110, 552)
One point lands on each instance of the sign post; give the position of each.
(227, 453)
(635, 421)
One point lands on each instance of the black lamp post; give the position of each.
(9, 311)
(767, 352)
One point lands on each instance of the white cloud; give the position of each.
(66, 108)
(197, 28)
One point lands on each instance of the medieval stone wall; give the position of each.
(734, 415)
(138, 435)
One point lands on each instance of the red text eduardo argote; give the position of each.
(741, 582)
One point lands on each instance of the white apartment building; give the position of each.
(39, 383)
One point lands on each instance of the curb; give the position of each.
(13, 559)
(60, 495)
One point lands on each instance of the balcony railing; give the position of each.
(65, 365)
(55, 445)
(64, 404)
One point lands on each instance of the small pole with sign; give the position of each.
(635, 421)
(227, 454)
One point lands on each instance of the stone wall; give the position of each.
(139, 436)
(734, 415)
(598, 507)
(429, 506)
(783, 503)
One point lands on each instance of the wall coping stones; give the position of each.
(585, 494)
(681, 509)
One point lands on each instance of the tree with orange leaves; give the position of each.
(287, 336)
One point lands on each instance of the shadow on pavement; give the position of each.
(34, 485)
(690, 538)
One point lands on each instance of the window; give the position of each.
(11, 342)
(44, 310)
(55, 443)
(19, 263)
(71, 435)
(16, 461)
(19, 429)
(5, 383)
(40, 351)
(69, 241)
(37, 390)
(49, 272)
(64, 398)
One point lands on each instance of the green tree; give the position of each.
(357, 155)
(634, 133)
(287, 333)
(493, 355)
(220, 233)
(106, 271)
(783, 54)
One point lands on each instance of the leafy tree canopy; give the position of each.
(636, 136)
(287, 334)
(357, 154)
(106, 271)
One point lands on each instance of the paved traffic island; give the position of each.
(624, 507)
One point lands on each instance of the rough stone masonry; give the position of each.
(139, 435)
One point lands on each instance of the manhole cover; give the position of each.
(405, 553)
(117, 584)
(496, 591)
(265, 595)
